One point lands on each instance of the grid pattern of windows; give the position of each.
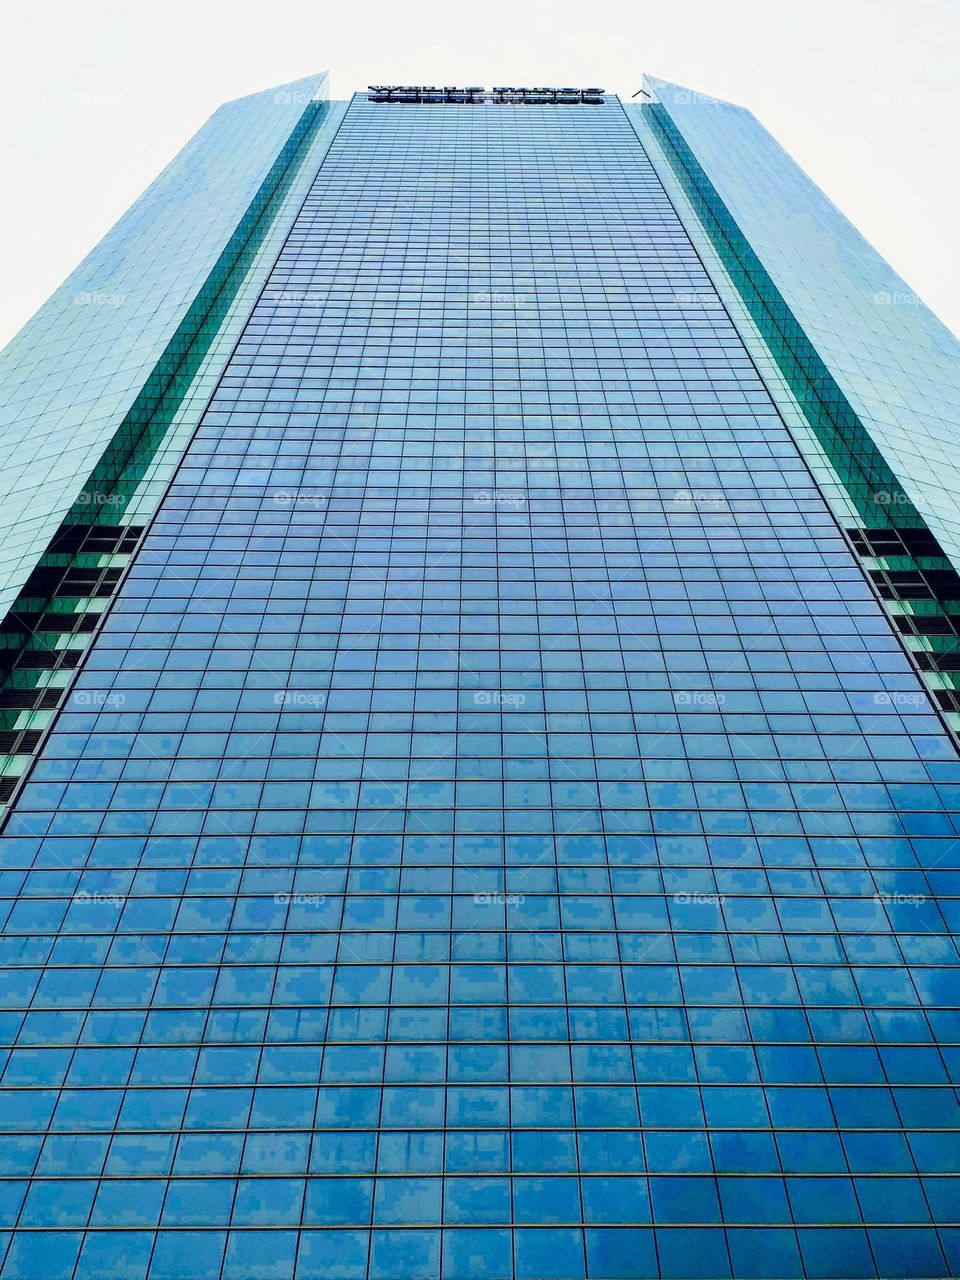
(887, 368)
(87, 369)
(497, 834)
(847, 450)
(64, 590)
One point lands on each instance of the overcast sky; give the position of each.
(97, 96)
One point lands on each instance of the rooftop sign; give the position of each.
(428, 93)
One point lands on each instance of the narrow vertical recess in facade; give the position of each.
(903, 496)
(47, 629)
(496, 832)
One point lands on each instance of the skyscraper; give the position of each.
(480, 702)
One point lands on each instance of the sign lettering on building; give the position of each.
(428, 93)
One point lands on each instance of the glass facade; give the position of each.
(75, 370)
(895, 365)
(865, 375)
(107, 385)
(497, 833)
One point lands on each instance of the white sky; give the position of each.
(98, 95)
